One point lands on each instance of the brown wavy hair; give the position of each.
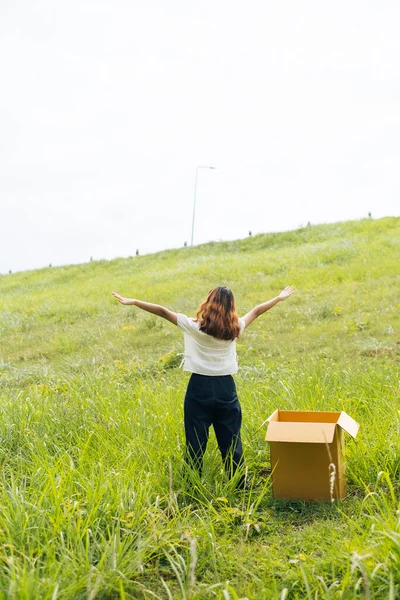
(217, 315)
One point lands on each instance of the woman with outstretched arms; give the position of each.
(210, 355)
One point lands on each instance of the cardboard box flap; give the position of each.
(348, 424)
(307, 416)
(311, 433)
(273, 417)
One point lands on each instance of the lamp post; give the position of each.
(195, 192)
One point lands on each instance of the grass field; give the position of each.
(91, 408)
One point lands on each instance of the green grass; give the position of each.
(92, 500)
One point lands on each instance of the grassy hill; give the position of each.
(92, 501)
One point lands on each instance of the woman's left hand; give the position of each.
(121, 298)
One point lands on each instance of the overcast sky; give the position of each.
(107, 108)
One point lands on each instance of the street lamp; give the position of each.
(195, 192)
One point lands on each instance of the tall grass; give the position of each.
(95, 500)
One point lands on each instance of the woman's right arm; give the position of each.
(155, 309)
(260, 309)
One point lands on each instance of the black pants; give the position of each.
(212, 400)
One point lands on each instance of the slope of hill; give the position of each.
(93, 503)
(347, 301)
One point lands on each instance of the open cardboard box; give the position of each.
(307, 453)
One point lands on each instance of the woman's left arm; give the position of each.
(155, 309)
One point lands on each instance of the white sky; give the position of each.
(107, 107)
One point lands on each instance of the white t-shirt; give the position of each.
(205, 354)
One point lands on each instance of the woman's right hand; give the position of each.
(288, 291)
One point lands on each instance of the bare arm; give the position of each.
(155, 309)
(260, 309)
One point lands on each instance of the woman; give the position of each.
(210, 355)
